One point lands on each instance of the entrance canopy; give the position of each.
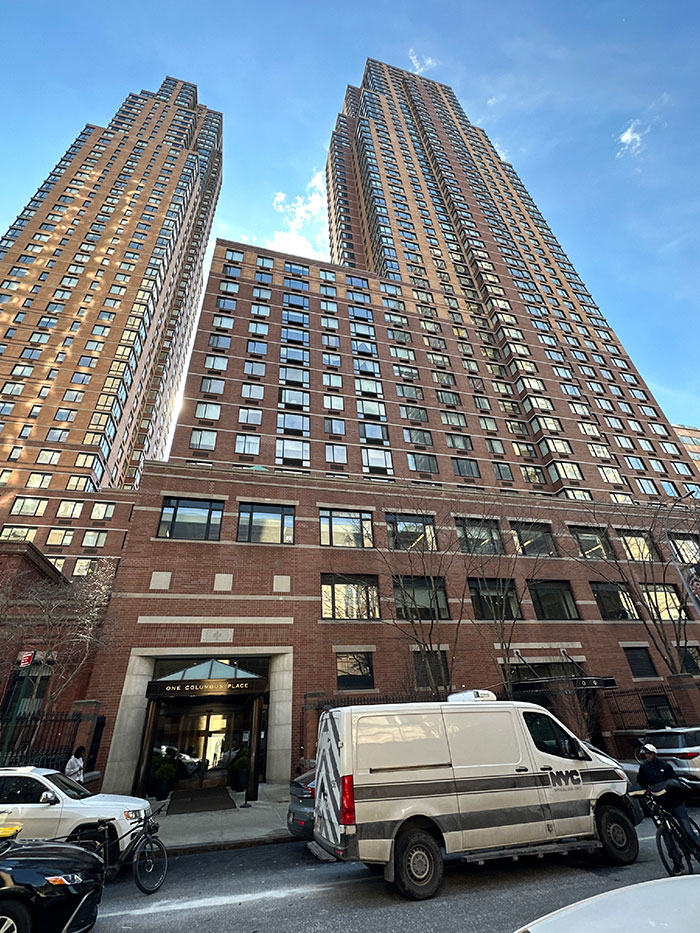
(207, 678)
(210, 670)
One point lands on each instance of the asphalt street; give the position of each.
(285, 889)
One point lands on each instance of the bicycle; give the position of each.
(145, 850)
(673, 843)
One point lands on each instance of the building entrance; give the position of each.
(205, 729)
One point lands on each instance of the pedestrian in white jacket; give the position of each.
(75, 768)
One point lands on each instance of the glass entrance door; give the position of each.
(201, 738)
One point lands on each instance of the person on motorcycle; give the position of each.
(654, 771)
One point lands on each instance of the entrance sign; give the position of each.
(159, 689)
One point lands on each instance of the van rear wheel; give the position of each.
(618, 836)
(418, 865)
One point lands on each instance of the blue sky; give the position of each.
(595, 104)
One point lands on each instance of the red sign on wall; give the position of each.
(26, 659)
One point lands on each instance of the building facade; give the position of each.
(100, 279)
(424, 465)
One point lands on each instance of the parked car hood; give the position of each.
(107, 803)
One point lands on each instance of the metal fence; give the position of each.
(43, 740)
(651, 708)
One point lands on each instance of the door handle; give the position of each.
(546, 768)
(521, 769)
(5, 811)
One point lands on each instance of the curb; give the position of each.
(222, 846)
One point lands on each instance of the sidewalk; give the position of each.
(264, 822)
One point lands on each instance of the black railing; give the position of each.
(41, 740)
(651, 708)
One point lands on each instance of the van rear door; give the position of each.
(500, 793)
(328, 779)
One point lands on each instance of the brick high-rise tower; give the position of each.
(100, 278)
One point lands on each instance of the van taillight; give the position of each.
(347, 801)
(684, 755)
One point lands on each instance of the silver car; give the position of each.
(681, 748)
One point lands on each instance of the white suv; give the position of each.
(48, 805)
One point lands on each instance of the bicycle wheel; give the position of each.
(673, 853)
(150, 864)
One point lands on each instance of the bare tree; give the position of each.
(648, 558)
(60, 620)
(441, 571)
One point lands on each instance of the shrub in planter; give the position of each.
(163, 780)
(238, 771)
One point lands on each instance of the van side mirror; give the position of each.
(48, 797)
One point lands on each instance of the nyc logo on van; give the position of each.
(563, 778)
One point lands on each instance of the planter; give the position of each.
(161, 788)
(239, 780)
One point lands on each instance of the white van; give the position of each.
(398, 783)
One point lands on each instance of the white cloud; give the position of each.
(631, 140)
(421, 64)
(492, 101)
(305, 231)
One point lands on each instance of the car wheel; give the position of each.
(14, 917)
(418, 865)
(618, 836)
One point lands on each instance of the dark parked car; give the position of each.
(48, 887)
(300, 816)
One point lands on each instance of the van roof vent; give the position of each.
(471, 696)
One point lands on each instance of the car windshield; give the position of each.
(68, 786)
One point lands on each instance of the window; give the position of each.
(593, 543)
(662, 601)
(202, 440)
(410, 532)
(534, 540)
(640, 662)
(102, 511)
(690, 659)
(553, 599)
(292, 453)
(69, 508)
(341, 528)
(479, 536)
(377, 461)
(265, 524)
(249, 416)
(422, 463)
(59, 537)
(686, 547)
(638, 545)
(431, 669)
(38, 480)
(494, 599)
(354, 670)
(420, 598)
(464, 466)
(614, 601)
(94, 538)
(336, 453)
(349, 596)
(551, 739)
(212, 386)
(190, 519)
(247, 444)
(24, 505)
(208, 411)
(18, 533)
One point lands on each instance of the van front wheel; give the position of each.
(418, 864)
(618, 836)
